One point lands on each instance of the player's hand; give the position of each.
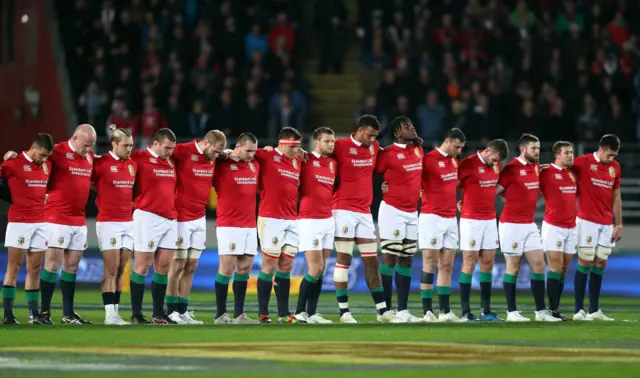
(617, 233)
(459, 206)
(302, 154)
(10, 155)
(384, 187)
(544, 166)
(46, 197)
(267, 148)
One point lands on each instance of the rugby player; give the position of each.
(26, 176)
(66, 228)
(277, 221)
(599, 203)
(315, 222)
(236, 184)
(559, 234)
(437, 224)
(401, 166)
(519, 234)
(155, 228)
(478, 176)
(113, 178)
(195, 164)
(356, 158)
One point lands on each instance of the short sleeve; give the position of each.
(6, 170)
(505, 177)
(463, 172)
(381, 162)
(95, 172)
(616, 180)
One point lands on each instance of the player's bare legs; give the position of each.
(559, 263)
(535, 259)
(510, 278)
(49, 276)
(111, 260)
(14, 263)
(368, 251)
(282, 283)
(403, 276)
(389, 261)
(596, 269)
(227, 265)
(309, 284)
(142, 263)
(445, 270)
(469, 260)
(161, 263)
(125, 255)
(186, 280)
(344, 248)
(32, 284)
(487, 259)
(176, 270)
(430, 258)
(314, 296)
(282, 261)
(240, 279)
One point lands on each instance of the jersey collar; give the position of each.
(152, 153)
(480, 157)
(278, 151)
(317, 155)
(27, 157)
(114, 155)
(400, 145)
(198, 147)
(557, 167)
(524, 162)
(355, 141)
(70, 146)
(595, 156)
(446, 154)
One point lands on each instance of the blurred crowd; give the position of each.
(562, 69)
(191, 65)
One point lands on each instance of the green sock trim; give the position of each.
(386, 270)
(443, 290)
(283, 275)
(486, 277)
(554, 275)
(562, 277)
(583, 269)
(158, 278)
(598, 271)
(137, 278)
(510, 278)
(310, 278)
(221, 279)
(240, 277)
(377, 290)
(321, 277)
(404, 270)
(183, 300)
(173, 299)
(33, 295)
(342, 292)
(8, 292)
(265, 277)
(69, 277)
(537, 276)
(426, 294)
(48, 276)
(465, 278)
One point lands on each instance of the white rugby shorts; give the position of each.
(115, 235)
(478, 234)
(316, 234)
(517, 238)
(276, 233)
(559, 239)
(67, 237)
(29, 236)
(593, 234)
(237, 241)
(152, 231)
(395, 224)
(192, 234)
(351, 224)
(436, 232)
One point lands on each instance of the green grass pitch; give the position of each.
(364, 350)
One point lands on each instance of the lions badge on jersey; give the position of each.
(295, 163)
(132, 172)
(252, 167)
(537, 169)
(89, 159)
(455, 162)
(495, 169)
(372, 150)
(332, 167)
(572, 177)
(170, 163)
(612, 172)
(417, 152)
(45, 169)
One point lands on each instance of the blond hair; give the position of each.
(215, 136)
(118, 134)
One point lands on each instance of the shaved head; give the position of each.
(83, 139)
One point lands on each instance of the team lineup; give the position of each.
(152, 205)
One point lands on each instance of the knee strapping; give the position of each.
(345, 247)
(289, 250)
(409, 249)
(194, 253)
(368, 249)
(341, 273)
(181, 254)
(587, 253)
(603, 252)
(391, 247)
(426, 278)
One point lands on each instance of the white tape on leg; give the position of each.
(289, 250)
(341, 273)
(181, 254)
(603, 252)
(345, 247)
(194, 253)
(587, 253)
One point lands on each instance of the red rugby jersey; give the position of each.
(27, 182)
(155, 186)
(69, 186)
(401, 167)
(478, 184)
(558, 187)
(279, 182)
(355, 172)
(439, 183)
(195, 175)
(236, 184)
(596, 182)
(520, 182)
(114, 179)
(318, 176)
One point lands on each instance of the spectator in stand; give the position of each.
(225, 114)
(330, 16)
(370, 107)
(255, 41)
(177, 118)
(570, 17)
(618, 29)
(120, 117)
(93, 100)
(282, 31)
(588, 125)
(149, 121)
(199, 121)
(431, 117)
(254, 116)
(294, 96)
(285, 115)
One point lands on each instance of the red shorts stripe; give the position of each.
(269, 256)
